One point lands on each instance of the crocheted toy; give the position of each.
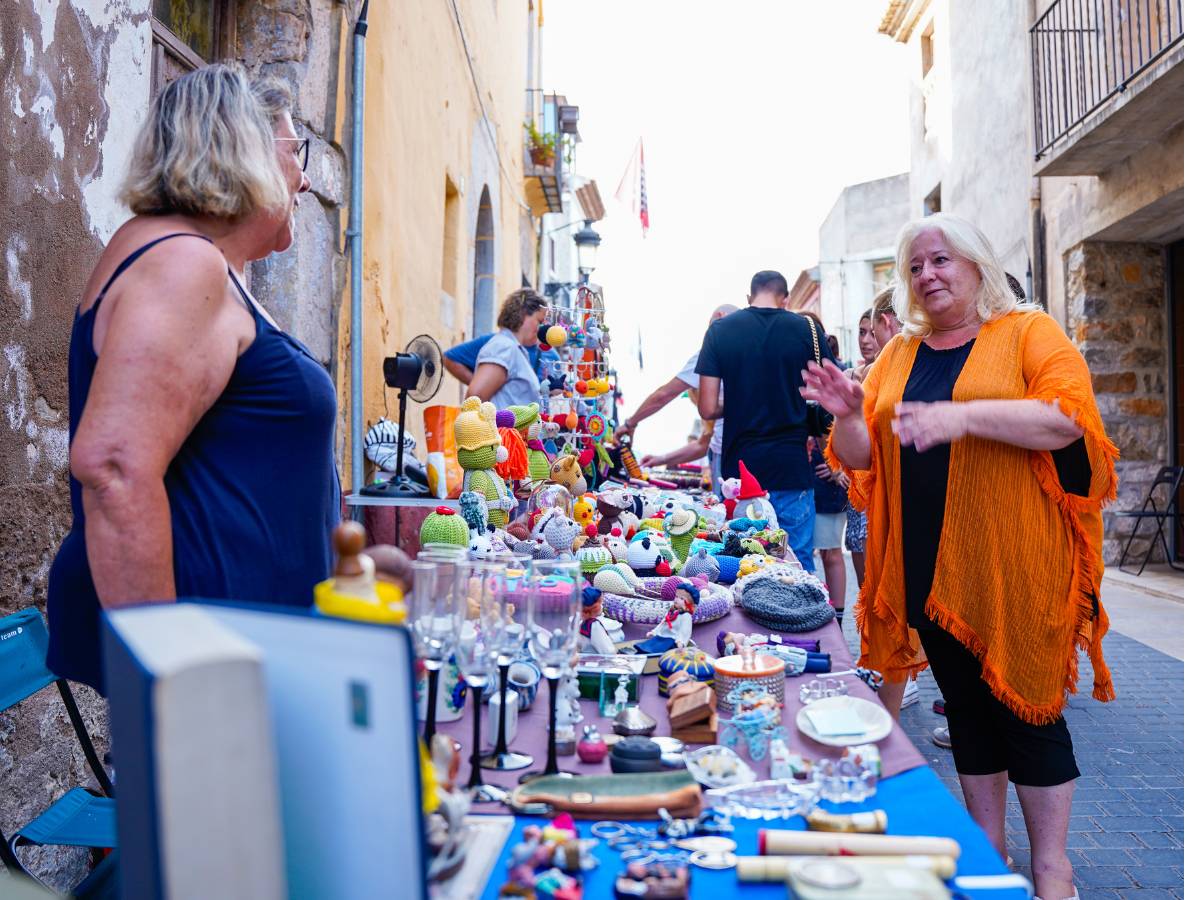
(474, 510)
(617, 579)
(682, 525)
(644, 558)
(565, 471)
(615, 545)
(559, 532)
(445, 526)
(593, 555)
(750, 546)
(584, 511)
(486, 544)
(702, 564)
(479, 450)
(743, 525)
(610, 504)
(729, 566)
(753, 502)
(751, 563)
(539, 433)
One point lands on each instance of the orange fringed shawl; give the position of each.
(1019, 561)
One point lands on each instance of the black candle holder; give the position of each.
(431, 686)
(500, 758)
(476, 779)
(552, 743)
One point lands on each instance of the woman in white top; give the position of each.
(503, 373)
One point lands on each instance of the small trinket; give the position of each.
(632, 721)
(873, 822)
(591, 747)
(663, 881)
(636, 754)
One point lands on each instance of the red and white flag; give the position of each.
(636, 170)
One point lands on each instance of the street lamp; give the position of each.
(587, 241)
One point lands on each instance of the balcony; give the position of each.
(550, 135)
(1107, 81)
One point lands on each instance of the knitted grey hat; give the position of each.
(785, 601)
(701, 564)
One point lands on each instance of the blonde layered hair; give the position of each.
(208, 147)
(995, 298)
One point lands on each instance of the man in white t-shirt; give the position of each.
(684, 380)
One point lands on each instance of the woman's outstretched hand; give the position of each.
(830, 387)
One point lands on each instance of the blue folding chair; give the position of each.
(80, 817)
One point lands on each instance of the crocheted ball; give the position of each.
(695, 662)
(782, 602)
(556, 335)
(505, 418)
(445, 526)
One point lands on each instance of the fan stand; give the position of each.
(400, 484)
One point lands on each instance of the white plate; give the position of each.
(875, 719)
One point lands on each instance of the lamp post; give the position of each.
(587, 241)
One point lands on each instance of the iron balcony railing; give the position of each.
(1085, 51)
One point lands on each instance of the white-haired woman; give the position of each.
(982, 460)
(202, 436)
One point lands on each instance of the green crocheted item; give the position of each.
(525, 415)
(539, 466)
(478, 480)
(682, 543)
(440, 528)
(483, 458)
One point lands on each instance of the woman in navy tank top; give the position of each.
(202, 436)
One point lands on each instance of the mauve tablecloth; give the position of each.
(897, 751)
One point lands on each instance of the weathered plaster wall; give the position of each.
(1116, 315)
(425, 128)
(74, 84)
(859, 231)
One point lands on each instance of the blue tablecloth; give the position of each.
(916, 803)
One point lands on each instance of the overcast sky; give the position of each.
(754, 116)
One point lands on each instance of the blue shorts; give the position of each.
(797, 513)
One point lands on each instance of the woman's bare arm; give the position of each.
(171, 342)
(487, 380)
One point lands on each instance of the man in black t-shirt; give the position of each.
(758, 355)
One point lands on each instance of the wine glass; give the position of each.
(509, 646)
(554, 617)
(435, 619)
(478, 589)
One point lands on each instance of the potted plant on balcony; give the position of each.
(541, 146)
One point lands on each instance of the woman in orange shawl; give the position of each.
(981, 459)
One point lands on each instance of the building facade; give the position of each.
(1060, 133)
(857, 247)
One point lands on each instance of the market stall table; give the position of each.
(915, 800)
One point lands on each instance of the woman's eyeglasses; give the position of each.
(301, 150)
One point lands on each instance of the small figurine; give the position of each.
(595, 636)
(591, 747)
(675, 630)
(569, 711)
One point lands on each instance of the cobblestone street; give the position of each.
(1126, 833)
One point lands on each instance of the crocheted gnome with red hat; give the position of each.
(753, 501)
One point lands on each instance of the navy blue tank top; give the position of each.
(254, 492)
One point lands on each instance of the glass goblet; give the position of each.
(478, 590)
(510, 645)
(554, 615)
(435, 619)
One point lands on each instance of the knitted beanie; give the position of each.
(780, 599)
(524, 416)
(475, 425)
(445, 526)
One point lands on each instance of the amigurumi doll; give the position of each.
(479, 449)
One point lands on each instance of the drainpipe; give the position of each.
(354, 239)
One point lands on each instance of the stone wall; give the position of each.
(74, 87)
(1116, 314)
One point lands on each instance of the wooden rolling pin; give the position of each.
(775, 868)
(773, 842)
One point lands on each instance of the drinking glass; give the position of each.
(511, 643)
(478, 588)
(554, 616)
(435, 619)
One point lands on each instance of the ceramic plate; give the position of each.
(877, 724)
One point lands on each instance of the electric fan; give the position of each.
(417, 372)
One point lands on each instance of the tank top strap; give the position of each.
(133, 257)
(245, 297)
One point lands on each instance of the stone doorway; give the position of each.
(1175, 326)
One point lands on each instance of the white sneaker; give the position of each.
(912, 694)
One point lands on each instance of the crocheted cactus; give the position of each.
(682, 526)
(445, 526)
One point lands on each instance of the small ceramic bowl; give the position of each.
(523, 677)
